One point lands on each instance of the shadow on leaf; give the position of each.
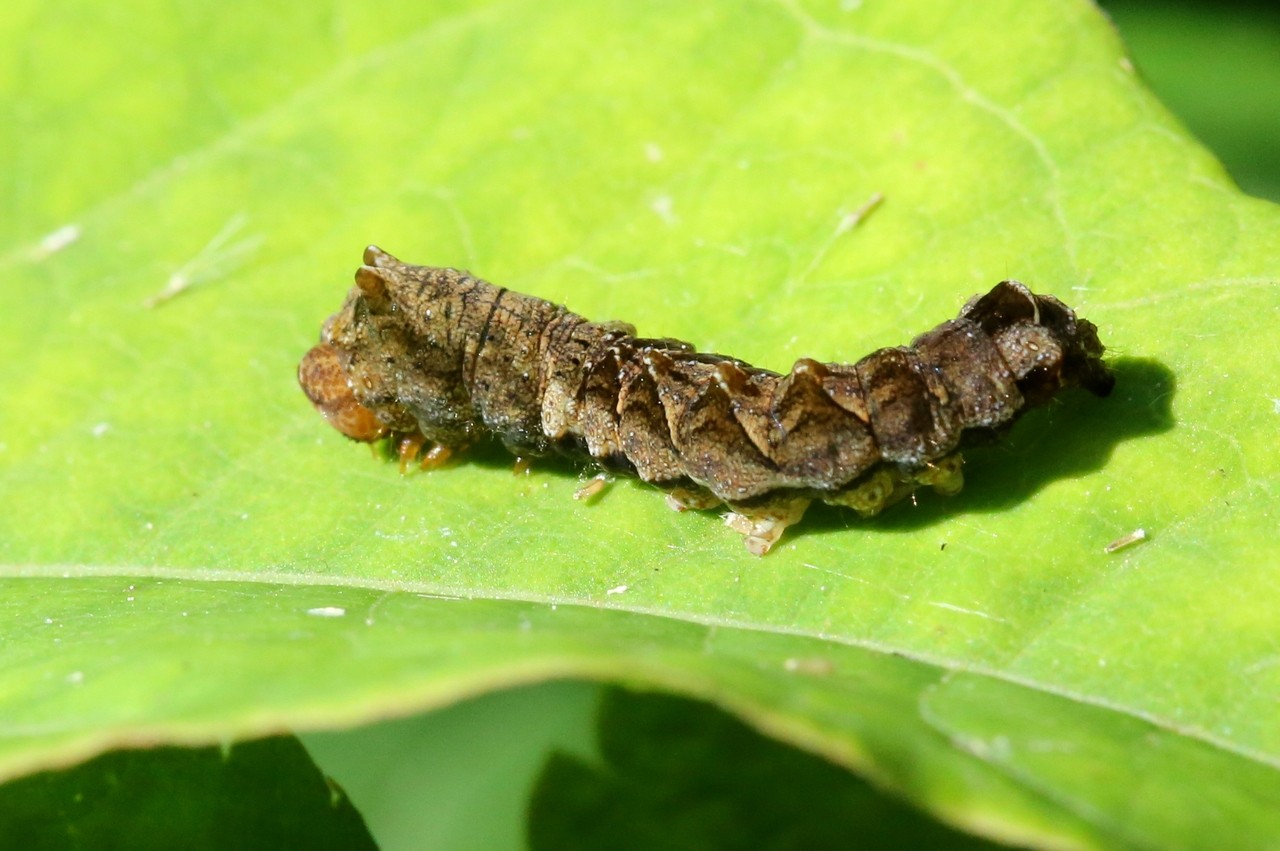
(679, 774)
(1073, 437)
(264, 794)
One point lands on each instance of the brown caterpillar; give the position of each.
(436, 358)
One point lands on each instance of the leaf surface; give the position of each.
(187, 553)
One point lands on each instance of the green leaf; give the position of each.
(258, 795)
(678, 774)
(1217, 72)
(188, 554)
(458, 778)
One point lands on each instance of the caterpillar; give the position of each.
(435, 359)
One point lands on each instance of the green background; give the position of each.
(179, 533)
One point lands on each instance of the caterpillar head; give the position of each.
(326, 384)
(1041, 340)
(351, 376)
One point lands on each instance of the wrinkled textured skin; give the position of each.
(443, 358)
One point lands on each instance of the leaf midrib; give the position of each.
(945, 665)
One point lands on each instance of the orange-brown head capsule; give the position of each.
(325, 382)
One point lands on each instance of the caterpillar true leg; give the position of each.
(435, 457)
(408, 448)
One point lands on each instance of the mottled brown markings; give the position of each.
(434, 358)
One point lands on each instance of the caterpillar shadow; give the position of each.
(1073, 437)
(1068, 439)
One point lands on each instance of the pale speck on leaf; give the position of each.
(1128, 540)
(57, 240)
